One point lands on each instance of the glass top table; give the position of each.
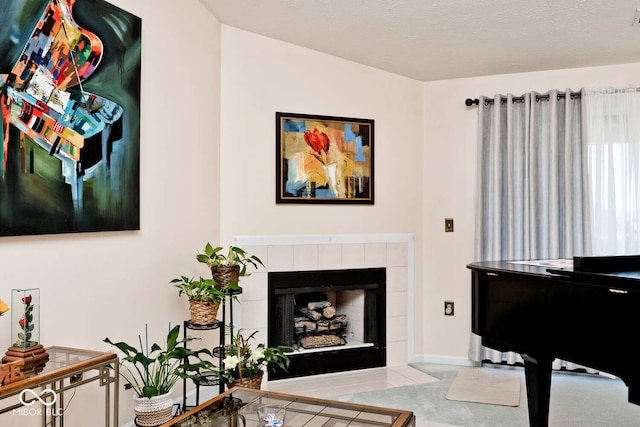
(65, 369)
(62, 361)
(238, 407)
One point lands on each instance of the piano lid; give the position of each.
(600, 267)
(606, 264)
(591, 268)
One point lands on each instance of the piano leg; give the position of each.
(634, 391)
(537, 372)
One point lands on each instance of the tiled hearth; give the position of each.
(331, 252)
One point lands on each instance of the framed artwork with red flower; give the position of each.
(324, 159)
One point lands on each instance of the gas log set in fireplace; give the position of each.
(335, 319)
(317, 324)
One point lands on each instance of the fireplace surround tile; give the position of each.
(397, 254)
(253, 287)
(397, 279)
(254, 316)
(329, 257)
(280, 258)
(353, 255)
(305, 257)
(397, 304)
(375, 255)
(300, 253)
(397, 325)
(397, 353)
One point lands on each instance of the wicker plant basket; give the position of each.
(153, 411)
(224, 276)
(253, 382)
(203, 312)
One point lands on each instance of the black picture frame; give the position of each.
(324, 159)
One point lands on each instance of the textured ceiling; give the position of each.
(443, 39)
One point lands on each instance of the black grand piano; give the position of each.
(586, 312)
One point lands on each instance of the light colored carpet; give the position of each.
(483, 385)
(577, 400)
(432, 409)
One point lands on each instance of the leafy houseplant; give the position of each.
(204, 290)
(243, 364)
(204, 297)
(227, 265)
(152, 373)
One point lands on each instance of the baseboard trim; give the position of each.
(443, 360)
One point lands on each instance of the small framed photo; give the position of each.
(324, 159)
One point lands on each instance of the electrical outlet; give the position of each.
(448, 308)
(448, 225)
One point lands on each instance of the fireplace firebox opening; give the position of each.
(335, 319)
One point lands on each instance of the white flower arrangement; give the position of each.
(242, 361)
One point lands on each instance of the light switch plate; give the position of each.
(448, 225)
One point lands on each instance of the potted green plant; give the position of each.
(227, 265)
(244, 364)
(153, 371)
(204, 298)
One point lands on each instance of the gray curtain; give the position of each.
(531, 183)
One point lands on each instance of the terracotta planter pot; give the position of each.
(224, 276)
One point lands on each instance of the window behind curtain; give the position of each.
(612, 135)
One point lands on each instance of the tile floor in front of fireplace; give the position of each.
(330, 385)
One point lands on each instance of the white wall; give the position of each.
(261, 76)
(449, 183)
(95, 285)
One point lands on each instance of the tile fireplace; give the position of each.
(391, 253)
(335, 319)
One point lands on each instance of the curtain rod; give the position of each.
(561, 95)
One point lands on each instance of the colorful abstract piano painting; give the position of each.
(70, 106)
